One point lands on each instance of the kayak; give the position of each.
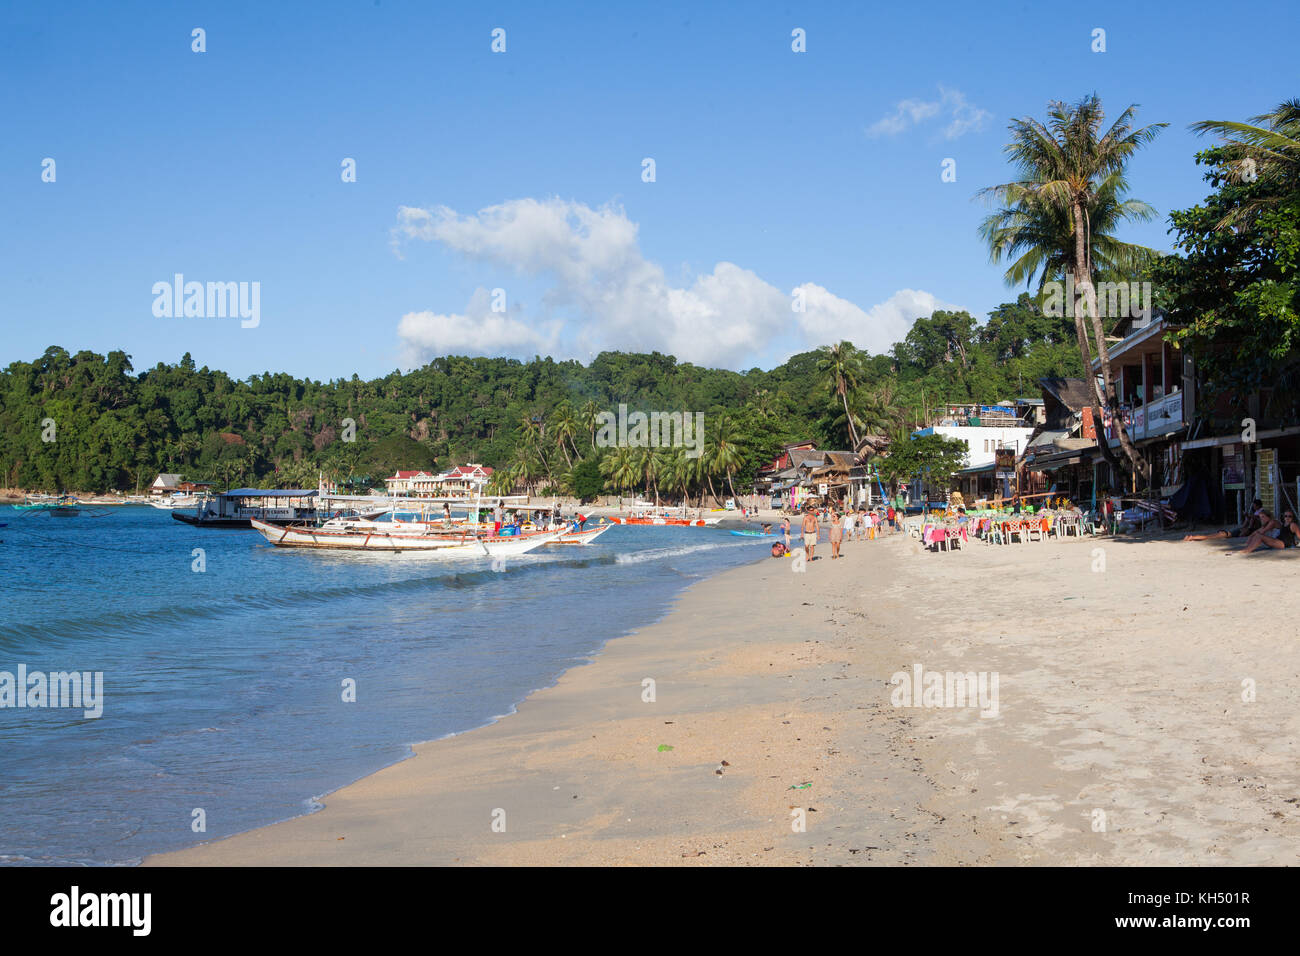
(753, 534)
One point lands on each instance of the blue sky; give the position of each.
(522, 170)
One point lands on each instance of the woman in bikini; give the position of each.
(837, 534)
(1275, 534)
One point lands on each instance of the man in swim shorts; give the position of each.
(811, 529)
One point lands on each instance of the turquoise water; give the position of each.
(223, 688)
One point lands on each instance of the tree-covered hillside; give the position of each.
(90, 422)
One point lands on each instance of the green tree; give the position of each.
(935, 458)
(841, 366)
(1265, 150)
(1059, 216)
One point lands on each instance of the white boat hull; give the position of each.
(451, 546)
(582, 538)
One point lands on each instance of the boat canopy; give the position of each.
(270, 493)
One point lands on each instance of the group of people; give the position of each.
(1260, 529)
(841, 524)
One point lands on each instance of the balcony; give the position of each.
(1164, 416)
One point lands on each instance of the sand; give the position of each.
(1121, 734)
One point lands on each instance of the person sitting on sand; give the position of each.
(837, 534)
(811, 529)
(1274, 534)
(1252, 524)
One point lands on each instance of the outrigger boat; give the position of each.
(56, 507)
(173, 502)
(664, 520)
(419, 518)
(440, 543)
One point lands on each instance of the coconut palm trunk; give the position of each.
(1104, 393)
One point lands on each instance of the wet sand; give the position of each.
(1121, 735)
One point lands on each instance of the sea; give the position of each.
(242, 683)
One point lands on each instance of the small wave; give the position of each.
(658, 554)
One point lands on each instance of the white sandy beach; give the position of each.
(1122, 736)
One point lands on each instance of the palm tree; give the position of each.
(1268, 152)
(565, 425)
(878, 410)
(587, 419)
(620, 468)
(728, 456)
(1059, 215)
(842, 365)
(677, 474)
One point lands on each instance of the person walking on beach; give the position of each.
(850, 521)
(811, 529)
(837, 534)
(785, 530)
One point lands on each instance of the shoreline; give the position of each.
(1121, 737)
(568, 702)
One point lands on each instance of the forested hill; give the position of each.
(90, 422)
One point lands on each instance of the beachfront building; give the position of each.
(840, 476)
(463, 481)
(1201, 461)
(165, 485)
(1058, 458)
(168, 484)
(986, 430)
(1156, 386)
(780, 481)
(402, 482)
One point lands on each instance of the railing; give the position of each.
(1160, 417)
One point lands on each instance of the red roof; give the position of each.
(406, 474)
(471, 470)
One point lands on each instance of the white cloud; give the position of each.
(952, 104)
(607, 295)
(479, 331)
(832, 319)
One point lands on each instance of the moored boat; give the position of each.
(173, 502)
(238, 508)
(439, 543)
(661, 520)
(581, 537)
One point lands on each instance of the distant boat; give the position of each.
(238, 508)
(661, 520)
(64, 506)
(440, 544)
(173, 502)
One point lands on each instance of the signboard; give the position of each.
(822, 488)
(1266, 473)
(1234, 468)
(1004, 459)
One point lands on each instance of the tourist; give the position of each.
(837, 534)
(811, 530)
(1254, 521)
(850, 520)
(892, 516)
(785, 531)
(1274, 534)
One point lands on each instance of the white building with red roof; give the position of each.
(402, 482)
(459, 482)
